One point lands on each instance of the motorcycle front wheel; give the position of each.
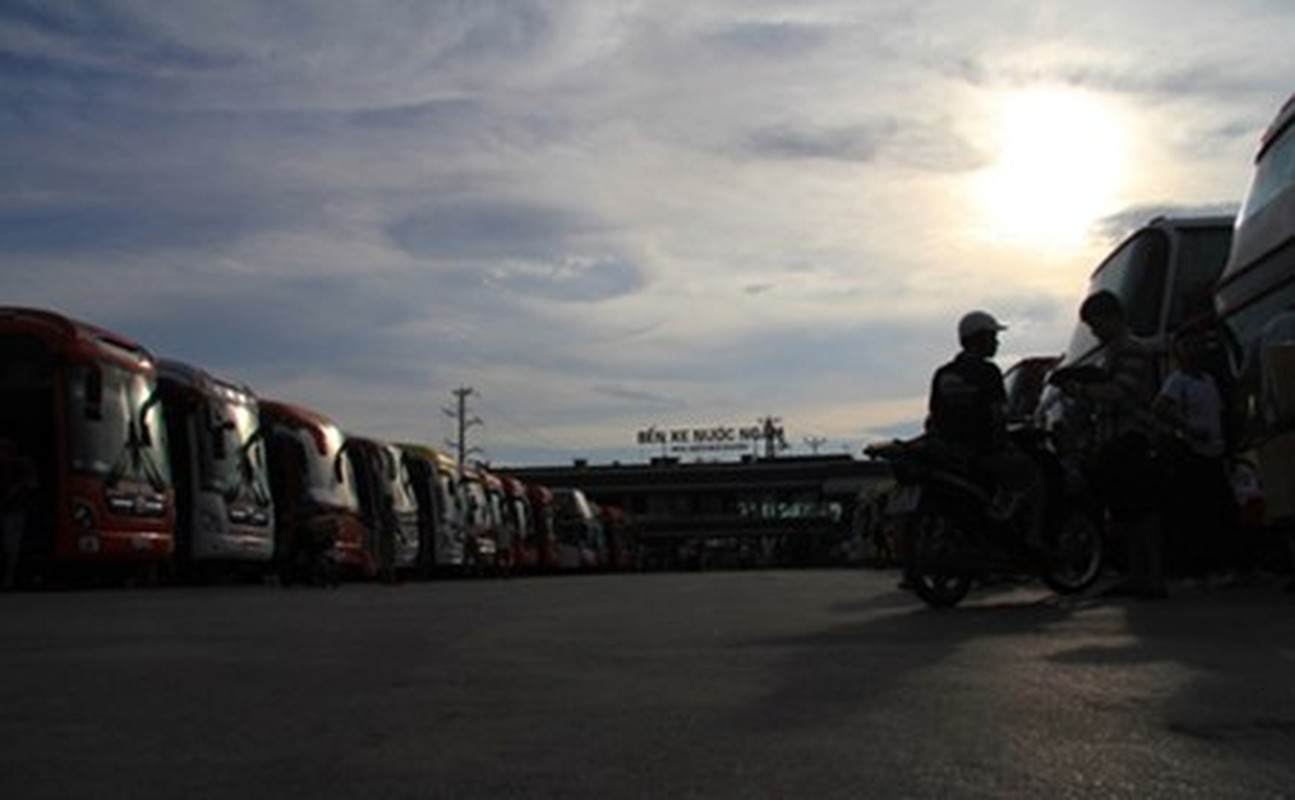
(932, 564)
(1078, 552)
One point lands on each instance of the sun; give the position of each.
(1060, 161)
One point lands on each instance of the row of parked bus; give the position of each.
(140, 462)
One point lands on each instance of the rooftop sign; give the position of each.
(718, 438)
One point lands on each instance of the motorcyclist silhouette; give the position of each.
(971, 496)
(968, 416)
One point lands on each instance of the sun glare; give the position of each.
(1060, 161)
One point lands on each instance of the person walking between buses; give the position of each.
(968, 414)
(1126, 473)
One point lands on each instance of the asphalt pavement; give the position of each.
(759, 684)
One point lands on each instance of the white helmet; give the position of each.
(975, 322)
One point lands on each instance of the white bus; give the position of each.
(1259, 280)
(224, 508)
(1258, 284)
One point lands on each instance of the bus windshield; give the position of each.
(1136, 273)
(478, 508)
(403, 498)
(448, 496)
(571, 503)
(1274, 172)
(116, 425)
(230, 457)
(330, 477)
(520, 514)
(1202, 254)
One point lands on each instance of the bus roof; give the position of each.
(60, 331)
(294, 415)
(1283, 120)
(1214, 221)
(436, 457)
(539, 493)
(199, 379)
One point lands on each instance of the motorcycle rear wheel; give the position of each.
(931, 572)
(1078, 548)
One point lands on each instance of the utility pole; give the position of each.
(815, 442)
(460, 414)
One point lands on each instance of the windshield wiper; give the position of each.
(136, 460)
(246, 473)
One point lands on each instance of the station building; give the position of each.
(789, 510)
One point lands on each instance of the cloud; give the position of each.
(569, 279)
(97, 40)
(91, 229)
(527, 250)
(242, 55)
(449, 115)
(597, 214)
(934, 145)
(782, 39)
(476, 230)
(646, 400)
(844, 144)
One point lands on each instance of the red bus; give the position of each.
(82, 403)
(542, 517)
(316, 505)
(622, 535)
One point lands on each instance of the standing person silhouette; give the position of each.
(1203, 509)
(1126, 472)
(18, 483)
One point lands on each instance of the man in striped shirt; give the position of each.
(1126, 472)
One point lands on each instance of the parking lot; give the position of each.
(806, 683)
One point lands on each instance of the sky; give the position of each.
(606, 217)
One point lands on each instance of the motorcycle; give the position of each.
(955, 531)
